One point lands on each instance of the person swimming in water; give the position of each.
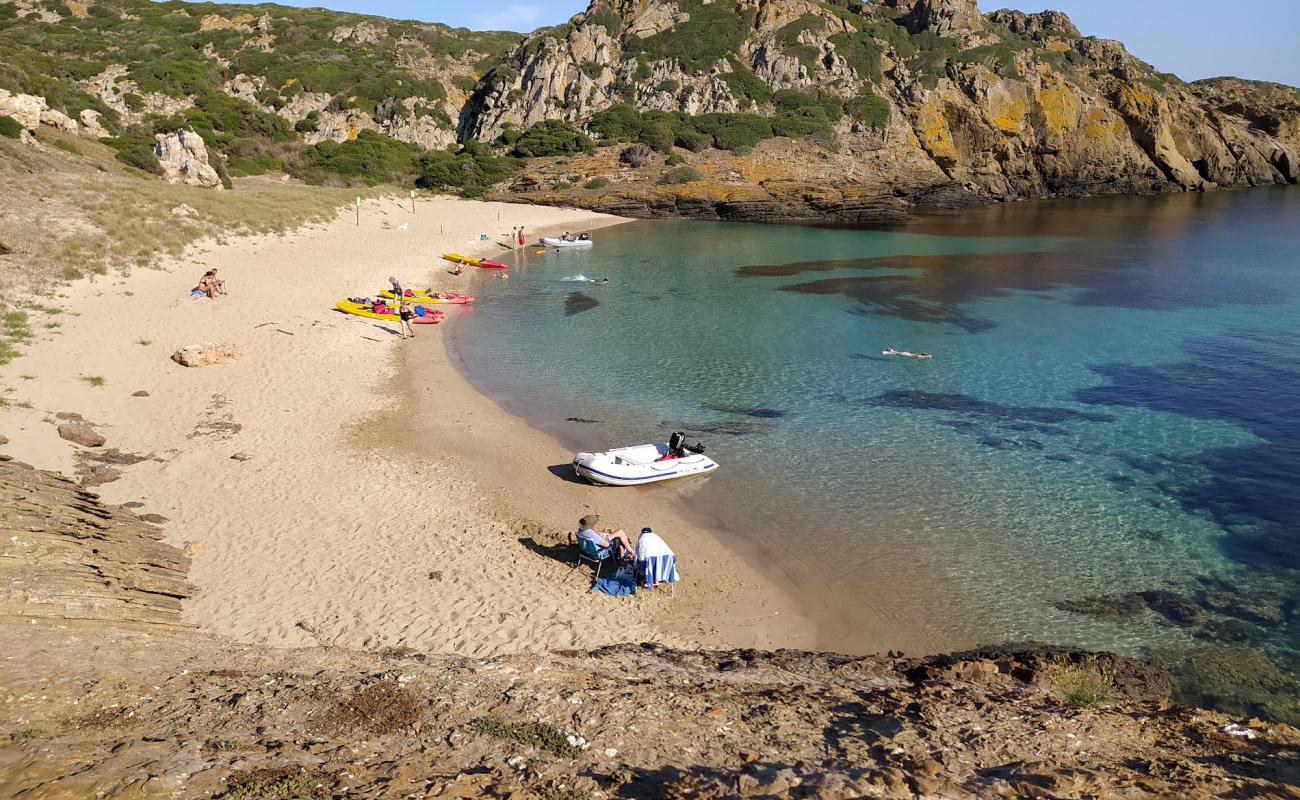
(889, 351)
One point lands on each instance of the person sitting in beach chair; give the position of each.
(612, 542)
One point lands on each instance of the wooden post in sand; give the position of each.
(412, 201)
(358, 206)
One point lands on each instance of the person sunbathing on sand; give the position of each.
(606, 538)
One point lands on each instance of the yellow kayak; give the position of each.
(433, 298)
(457, 258)
(431, 316)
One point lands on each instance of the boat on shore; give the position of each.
(485, 263)
(550, 241)
(420, 315)
(645, 463)
(432, 297)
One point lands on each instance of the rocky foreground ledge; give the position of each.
(106, 694)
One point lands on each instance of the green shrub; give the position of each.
(141, 157)
(678, 175)
(788, 40)
(472, 167)
(605, 17)
(618, 123)
(1085, 684)
(591, 69)
(744, 84)
(870, 109)
(596, 183)
(658, 135)
(550, 137)
(465, 83)
(371, 158)
(305, 125)
(10, 127)
(861, 52)
(535, 734)
(67, 146)
(674, 159)
(243, 166)
(670, 86)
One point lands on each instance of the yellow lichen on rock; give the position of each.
(1008, 105)
(932, 130)
(77, 9)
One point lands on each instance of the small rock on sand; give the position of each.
(82, 434)
(241, 456)
(4, 439)
(69, 416)
(156, 519)
(192, 548)
(141, 393)
(100, 475)
(206, 354)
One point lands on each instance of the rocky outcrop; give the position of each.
(25, 109)
(1012, 105)
(68, 556)
(184, 159)
(81, 433)
(91, 125)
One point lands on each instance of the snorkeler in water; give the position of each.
(889, 351)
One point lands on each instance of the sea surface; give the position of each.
(1104, 450)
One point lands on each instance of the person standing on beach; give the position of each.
(397, 287)
(404, 312)
(520, 237)
(514, 237)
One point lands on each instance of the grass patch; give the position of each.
(144, 342)
(27, 734)
(93, 380)
(10, 127)
(383, 707)
(15, 328)
(1084, 684)
(678, 175)
(283, 783)
(596, 183)
(67, 147)
(541, 735)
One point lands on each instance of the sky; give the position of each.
(1192, 38)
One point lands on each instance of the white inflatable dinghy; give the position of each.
(646, 463)
(558, 242)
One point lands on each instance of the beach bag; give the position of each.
(419, 310)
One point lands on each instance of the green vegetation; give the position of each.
(596, 183)
(469, 169)
(9, 127)
(465, 83)
(870, 109)
(1083, 684)
(788, 40)
(678, 175)
(861, 52)
(93, 380)
(67, 146)
(275, 784)
(798, 114)
(605, 17)
(713, 31)
(27, 733)
(541, 735)
(551, 137)
(15, 329)
(744, 84)
(371, 159)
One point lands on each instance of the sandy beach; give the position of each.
(377, 499)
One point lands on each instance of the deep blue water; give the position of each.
(1111, 406)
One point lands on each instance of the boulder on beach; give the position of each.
(81, 433)
(205, 355)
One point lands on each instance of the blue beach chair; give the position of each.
(593, 553)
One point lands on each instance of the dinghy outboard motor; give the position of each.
(677, 444)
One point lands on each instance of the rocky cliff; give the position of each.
(756, 109)
(107, 694)
(939, 105)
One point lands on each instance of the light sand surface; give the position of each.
(384, 501)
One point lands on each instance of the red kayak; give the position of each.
(489, 264)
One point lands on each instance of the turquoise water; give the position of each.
(1110, 407)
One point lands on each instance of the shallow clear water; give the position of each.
(1110, 407)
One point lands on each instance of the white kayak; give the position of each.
(553, 242)
(629, 466)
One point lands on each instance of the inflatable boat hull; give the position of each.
(632, 466)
